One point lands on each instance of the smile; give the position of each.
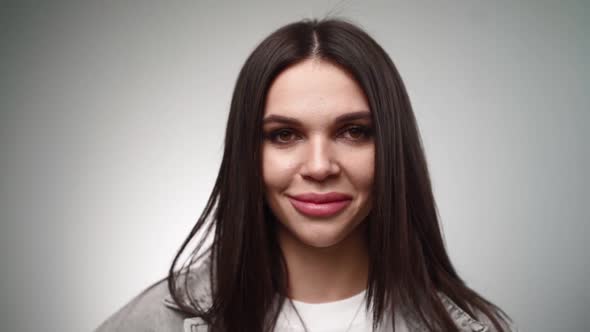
(320, 205)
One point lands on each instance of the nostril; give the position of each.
(320, 172)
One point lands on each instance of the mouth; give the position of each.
(320, 205)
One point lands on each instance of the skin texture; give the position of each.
(326, 256)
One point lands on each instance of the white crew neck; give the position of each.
(325, 317)
(337, 305)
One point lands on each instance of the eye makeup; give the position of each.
(354, 133)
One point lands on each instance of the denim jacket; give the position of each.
(154, 310)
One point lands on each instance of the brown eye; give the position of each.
(282, 136)
(357, 133)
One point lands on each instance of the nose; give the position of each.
(319, 163)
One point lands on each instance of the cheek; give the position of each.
(278, 168)
(361, 168)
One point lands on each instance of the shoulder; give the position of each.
(506, 323)
(155, 310)
(477, 323)
(148, 311)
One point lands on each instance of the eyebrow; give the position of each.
(294, 122)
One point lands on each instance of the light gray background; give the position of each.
(113, 114)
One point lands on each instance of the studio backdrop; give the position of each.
(112, 118)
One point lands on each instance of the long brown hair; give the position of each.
(408, 266)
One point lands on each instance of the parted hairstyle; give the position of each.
(408, 264)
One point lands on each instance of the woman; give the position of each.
(322, 215)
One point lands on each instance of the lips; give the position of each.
(320, 205)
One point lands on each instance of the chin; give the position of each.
(321, 241)
(319, 234)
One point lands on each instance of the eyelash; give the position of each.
(365, 131)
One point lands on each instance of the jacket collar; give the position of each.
(197, 281)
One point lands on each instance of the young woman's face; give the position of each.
(318, 153)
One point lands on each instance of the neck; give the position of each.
(318, 275)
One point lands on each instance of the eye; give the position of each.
(282, 136)
(357, 133)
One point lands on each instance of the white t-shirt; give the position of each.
(334, 316)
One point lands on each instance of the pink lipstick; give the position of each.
(320, 205)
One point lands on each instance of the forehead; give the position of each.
(316, 88)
